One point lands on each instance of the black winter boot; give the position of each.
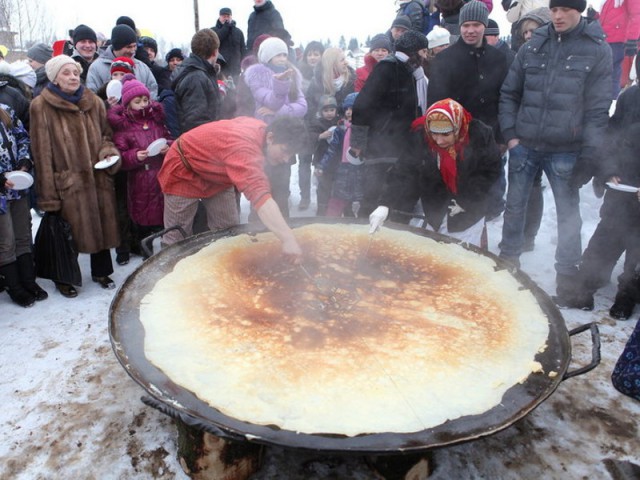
(622, 307)
(27, 271)
(12, 284)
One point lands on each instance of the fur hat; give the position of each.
(492, 28)
(132, 88)
(411, 42)
(174, 53)
(271, 47)
(121, 36)
(579, 5)
(82, 32)
(402, 21)
(380, 41)
(40, 52)
(122, 64)
(438, 37)
(53, 66)
(474, 11)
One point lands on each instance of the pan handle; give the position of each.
(146, 242)
(595, 349)
(189, 420)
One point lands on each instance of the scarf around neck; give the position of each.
(447, 157)
(73, 98)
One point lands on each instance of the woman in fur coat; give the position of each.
(69, 135)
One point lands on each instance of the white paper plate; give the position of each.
(21, 180)
(107, 162)
(114, 89)
(155, 146)
(622, 188)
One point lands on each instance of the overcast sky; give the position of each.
(173, 20)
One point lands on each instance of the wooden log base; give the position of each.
(402, 467)
(206, 457)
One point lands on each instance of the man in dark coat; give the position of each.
(554, 108)
(264, 19)
(195, 85)
(232, 45)
(492, 35)
(383, 112)
(470, 71)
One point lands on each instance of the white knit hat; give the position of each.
(53, 66)
(438, 36)
(271, 47)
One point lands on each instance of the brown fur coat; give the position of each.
(67, 140)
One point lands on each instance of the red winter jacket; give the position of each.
(363, 72)
(622, 23)
(134, 131)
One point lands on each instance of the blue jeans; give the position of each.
(523, 166)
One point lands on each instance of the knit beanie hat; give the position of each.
(411, 42)
(122, 64)
(579, 5)
(124, 20)
(258, 41)
(474, 11)
(40, 52)
(438, 37)
(271, 47)
(132, 88)
(327, 101)
(402, 21)
(121, 36)
(492, 28)
(53, 66)
(349, 100)
(174, 53)
(82, 32)
(380, 41)
(149, 43)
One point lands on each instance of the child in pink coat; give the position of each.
(136, 123)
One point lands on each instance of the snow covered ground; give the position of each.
(70, 411)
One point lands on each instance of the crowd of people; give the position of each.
(423, 130)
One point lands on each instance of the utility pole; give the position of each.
(196, 15)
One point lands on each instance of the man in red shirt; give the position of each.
(207, 162)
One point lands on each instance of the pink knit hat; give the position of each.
(132, 88)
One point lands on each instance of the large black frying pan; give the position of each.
(127, 338)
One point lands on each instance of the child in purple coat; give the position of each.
(136, 123)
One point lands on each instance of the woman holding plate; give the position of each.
(16, 259)
(70, 135)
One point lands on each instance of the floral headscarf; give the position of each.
(448, 157)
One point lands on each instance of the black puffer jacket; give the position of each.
(557, 93)
(232, 46)
(416, 176)
(472, 77)
(384, 110)
(197, 94)
(12, 95)
(263, 19)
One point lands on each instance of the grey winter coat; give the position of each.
(100, 73)
(556, 96)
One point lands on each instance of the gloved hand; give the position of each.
(630, 48)
(454, 208)
(377, 218)
(582, 172)
(3, 181)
